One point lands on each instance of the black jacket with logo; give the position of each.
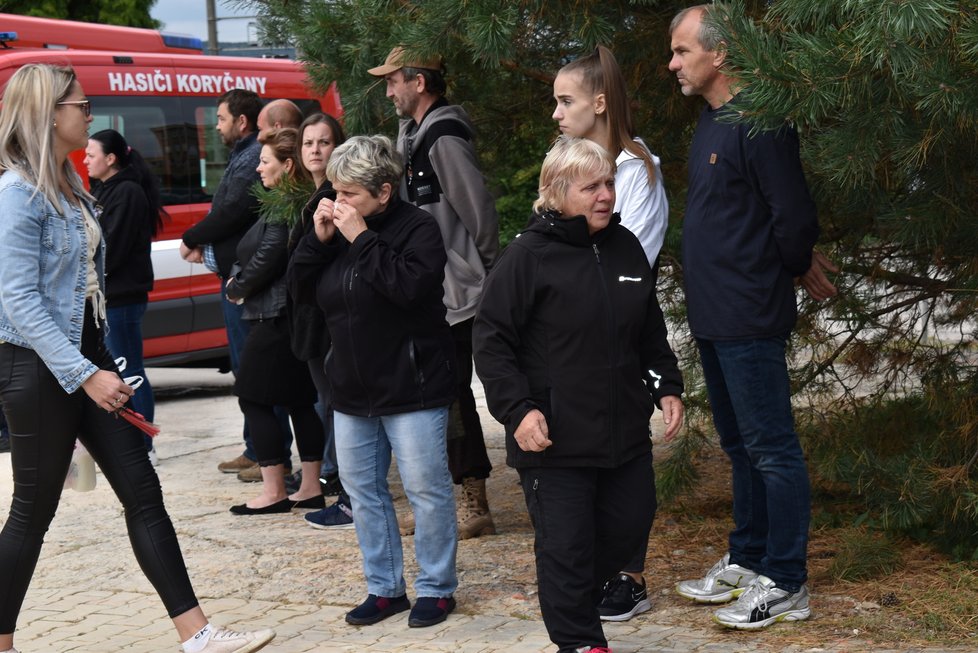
(569, 324)
(382, 296)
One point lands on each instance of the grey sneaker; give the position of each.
(229, 641)
(724, 582)
(764, 604)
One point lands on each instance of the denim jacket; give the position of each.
(42, 278)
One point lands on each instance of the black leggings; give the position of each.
(44, 421)
(266, 432)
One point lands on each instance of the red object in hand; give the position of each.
(140, 422)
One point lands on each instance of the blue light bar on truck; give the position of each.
(177, 41)
(8, 36)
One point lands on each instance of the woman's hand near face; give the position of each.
(533, 434)
(349, 221)
(323, 220)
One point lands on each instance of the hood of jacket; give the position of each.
(572, 230)
(126, 174)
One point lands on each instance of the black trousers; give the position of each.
(266, 431)
(587, 523)
(44, 421)
(467, 456)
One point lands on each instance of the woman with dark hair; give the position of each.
(269, 374)
(592, 103)
(58, 381)
(129, 195)
(319, 135)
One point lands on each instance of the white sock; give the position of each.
(197, 643)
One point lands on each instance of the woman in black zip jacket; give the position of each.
(131, 216)
(570, 344)
(375, 265)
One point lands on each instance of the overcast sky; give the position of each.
(190, 17)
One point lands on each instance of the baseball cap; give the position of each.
(397, 60)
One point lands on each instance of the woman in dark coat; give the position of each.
(319, 135)
(375, 265)
(571, 347)
(131, 216)
(269, 374)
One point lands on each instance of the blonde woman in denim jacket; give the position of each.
(57, 379)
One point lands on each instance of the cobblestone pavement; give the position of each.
(88, 594)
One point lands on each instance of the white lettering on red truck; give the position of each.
(159, 82)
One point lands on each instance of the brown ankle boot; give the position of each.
(474, 518)
(405, 523)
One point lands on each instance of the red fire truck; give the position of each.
(160, 91)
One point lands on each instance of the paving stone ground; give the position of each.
(88, 594)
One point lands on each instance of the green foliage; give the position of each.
(283, 203)
(911, 461)
(882, 96)
(131, 13)
(862, 555)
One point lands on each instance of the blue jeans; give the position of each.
(363, 450)
(237, 328)
(750, 395)
(125, 338)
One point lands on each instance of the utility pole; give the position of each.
(212, 47)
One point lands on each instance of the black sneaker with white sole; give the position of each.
(623, 598)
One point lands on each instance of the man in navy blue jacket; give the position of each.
(748, 233)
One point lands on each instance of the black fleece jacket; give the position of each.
(307, 324)
(569, 324)
(127, 224)
(382, 296)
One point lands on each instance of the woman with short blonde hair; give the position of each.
(570, 345)
(375, 266)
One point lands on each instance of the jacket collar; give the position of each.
(126, 174)
(572, 230)
(377, 221)
(244, 143)
(439, 103)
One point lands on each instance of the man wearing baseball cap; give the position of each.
(442, 176)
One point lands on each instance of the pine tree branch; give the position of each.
(539, 75)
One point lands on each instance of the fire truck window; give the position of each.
(212, 153)
(163, 134)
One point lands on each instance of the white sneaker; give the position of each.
(724, 582)
(228, 641)
(764, 604)
(154, 460)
